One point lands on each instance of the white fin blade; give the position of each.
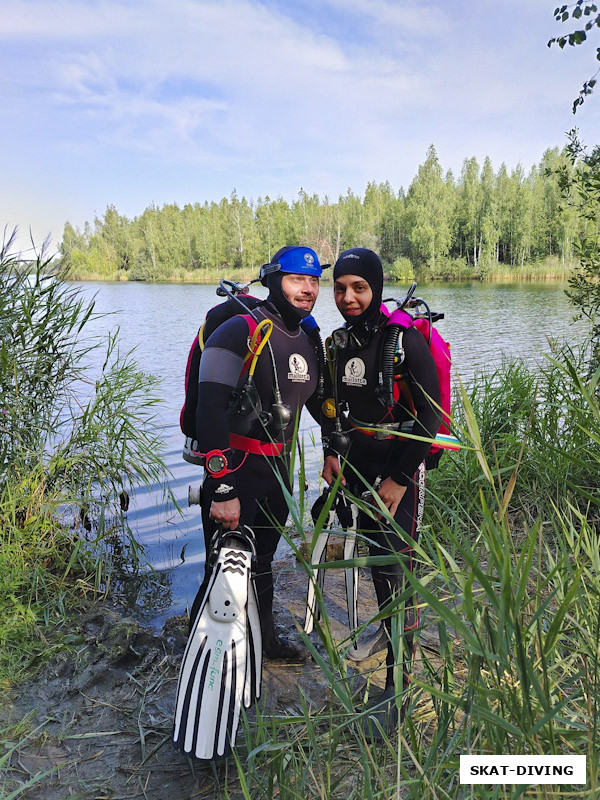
(317, 557)
(351, 579)
(254, 662)
(208, 721)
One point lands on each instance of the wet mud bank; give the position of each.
(95, 721)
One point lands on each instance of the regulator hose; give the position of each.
(312, 330)
(391, 339)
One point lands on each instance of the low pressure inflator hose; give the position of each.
(391, 341)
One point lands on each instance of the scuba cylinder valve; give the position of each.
(367, 495)
(194, 495)
(231, 288)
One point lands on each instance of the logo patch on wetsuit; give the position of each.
(354, 372)
(223, 488)
(298, 369)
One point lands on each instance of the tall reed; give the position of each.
(508, 584)
(73, 443)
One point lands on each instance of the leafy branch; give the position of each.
(576, 12)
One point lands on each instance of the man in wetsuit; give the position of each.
(393, 466)
(241, 450)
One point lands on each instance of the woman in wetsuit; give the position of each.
(393, 466)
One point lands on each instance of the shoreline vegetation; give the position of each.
(551, 270)
(480, 225)
(73, 445)
(507, 661)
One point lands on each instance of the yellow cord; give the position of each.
(255, 348)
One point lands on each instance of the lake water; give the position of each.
(482, 322)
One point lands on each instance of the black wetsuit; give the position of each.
(357, 378)
(253, 480)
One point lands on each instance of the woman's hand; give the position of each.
(391, 493)
(331, 469)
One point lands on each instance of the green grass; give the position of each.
(551, 268)
(70, 443)
(509, 590)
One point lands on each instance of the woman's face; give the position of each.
(352, 295)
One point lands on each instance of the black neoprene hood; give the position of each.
(367, 265)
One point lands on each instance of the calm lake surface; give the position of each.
(483, 323)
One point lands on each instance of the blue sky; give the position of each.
(133, 102)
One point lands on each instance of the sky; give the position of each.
(134, 103)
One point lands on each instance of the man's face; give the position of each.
(300, 290)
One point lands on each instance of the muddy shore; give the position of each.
(95, 722)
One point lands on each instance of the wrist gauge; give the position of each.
(216, 464)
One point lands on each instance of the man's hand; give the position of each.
(331, 469)
(226, 514)
(391, 494)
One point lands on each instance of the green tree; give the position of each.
(352, 219)
(327, 239)
(74, 244)
(489, 217)
(393, 239)
(469, 211)
(538, 221)
(581, 189)
(560, 224)
(506, 197)
(237, 230)
(305, 219)
(429, 206)
(273, 221)
(522, 227)
(189, 217)
(115, 230)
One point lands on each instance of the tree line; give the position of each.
(442, 227)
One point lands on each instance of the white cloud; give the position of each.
(397, 20)
(253, 97)
(266, 79)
